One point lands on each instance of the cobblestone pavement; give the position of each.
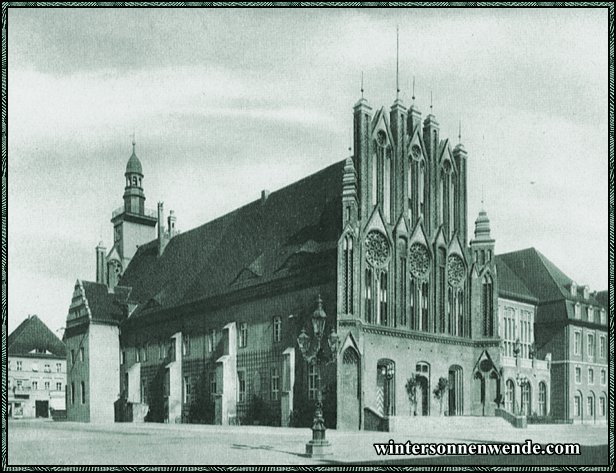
(37, 442)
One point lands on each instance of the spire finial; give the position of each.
(351, 139)
(482, 196)
(133, 135)
(430, 101)
(397, 61)
(413, 89)
(460, 131)
(362, 84)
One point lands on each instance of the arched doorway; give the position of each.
(423, 388)
(456, 391)
(385, 387)
(479, 392)
(349, 416)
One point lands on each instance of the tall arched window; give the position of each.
(452, 206)
(509, 395)
(409, 191)
(402, 288)
(374, 179)
(441, 290)
(451, 311)
(423, 187)
(348, 274)
(424, 306)
(488, 325)
(368, 296)
(412, 310)
(382, 316)
(441, 198)
(460, 312)
(542, 399)
(386, 185)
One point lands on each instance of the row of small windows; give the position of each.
(19, 366)
(34, 385)
(590, 406)
(517, 329)
(590, 313)
(590, 345)
(511, 403)
(167, 348)
(591, 376)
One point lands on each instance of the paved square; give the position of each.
(38, 442)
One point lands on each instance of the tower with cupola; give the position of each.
(133, 225)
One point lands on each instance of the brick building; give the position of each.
(203, 325)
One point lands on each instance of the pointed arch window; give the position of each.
(423, 323)
(441, 290)
(453, 211)
(348, 274)
(423, 188)
(487, 306)
(460, 312)
(382, 308)
(409, 190)
(368, 296)
(387, 185)
(451, 311)
(412, 308)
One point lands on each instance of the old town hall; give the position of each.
(203, 325)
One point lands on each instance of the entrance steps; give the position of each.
(443, 425)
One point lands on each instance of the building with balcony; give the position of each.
(36, 370)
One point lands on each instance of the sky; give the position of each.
(227, 102)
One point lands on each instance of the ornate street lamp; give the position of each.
(310, 348)
(388, 372)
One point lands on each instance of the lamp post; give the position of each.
(387, 371)
(310, 348)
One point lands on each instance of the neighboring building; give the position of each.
(571, 324)
(37, 370)
(202, 325)
(526, 377)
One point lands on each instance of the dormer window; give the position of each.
(603, 318)
(586, 292)
(573, 289)
(578, 311)
(590, 314)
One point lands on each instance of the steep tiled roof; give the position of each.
(105, 305)
(33, 334)
(603, 298)
(293, 227)
(510, 285)
(545, 281)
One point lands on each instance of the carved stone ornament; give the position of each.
(416, 152)
(419, 260)
(381, 138)
(115, 266)
(455, 271)
(377, 248)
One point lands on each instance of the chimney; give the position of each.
(264, 195)
(161, 229)
(101, 266)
